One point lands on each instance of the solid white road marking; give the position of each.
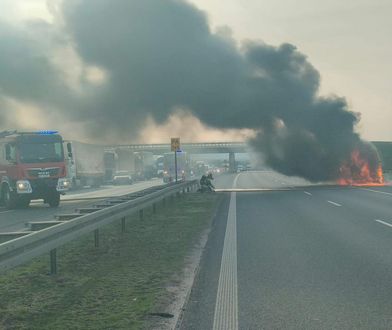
(333, 203)
(226, 307)
(6, 211)
(253, 189)
(377, 191)
(384, 223)
(307, 193)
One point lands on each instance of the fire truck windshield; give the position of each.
(41, 152)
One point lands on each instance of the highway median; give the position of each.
(122, 284)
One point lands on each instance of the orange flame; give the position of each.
(358, 172)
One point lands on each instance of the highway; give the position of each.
(15, 220)
(295, 256)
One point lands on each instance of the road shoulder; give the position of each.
(199, 309)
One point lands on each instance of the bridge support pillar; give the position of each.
(232, 167)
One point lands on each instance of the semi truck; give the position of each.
(144, 165)
(110, 165)
(125, 166)
(85, 164)
(131, 166)
(32, 166)
(169, 172)
(159, 166)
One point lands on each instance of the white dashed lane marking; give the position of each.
(333, 203)
(384, 223)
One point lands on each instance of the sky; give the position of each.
(347, 42)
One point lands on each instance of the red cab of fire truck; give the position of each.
(31, 167)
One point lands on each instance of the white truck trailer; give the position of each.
(85, 164)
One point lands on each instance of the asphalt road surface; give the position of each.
(295, 257)
(15, 220)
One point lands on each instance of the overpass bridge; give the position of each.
(192, 148)
(384, 148)
(230, 148)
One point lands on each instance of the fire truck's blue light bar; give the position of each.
(47, 132)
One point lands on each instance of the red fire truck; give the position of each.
(31, 167)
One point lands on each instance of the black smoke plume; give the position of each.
(162, 55)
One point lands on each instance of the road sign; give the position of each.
(175, 144)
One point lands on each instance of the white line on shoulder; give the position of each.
(377, 191)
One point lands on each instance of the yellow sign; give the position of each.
(175, 144)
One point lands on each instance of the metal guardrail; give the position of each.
(22, 249)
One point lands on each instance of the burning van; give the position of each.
(362, 167)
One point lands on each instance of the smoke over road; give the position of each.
(153, 57)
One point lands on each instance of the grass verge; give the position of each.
(114, 286)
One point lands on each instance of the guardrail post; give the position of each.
(164, 201)
(53, 262)
(96, 238)
(123, 224)
(141, 214)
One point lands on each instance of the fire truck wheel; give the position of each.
(9, 198)
(54, 199)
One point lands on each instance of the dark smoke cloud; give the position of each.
(162, 55)
(159, 54)
(26, 72)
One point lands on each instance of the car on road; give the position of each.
(122, 177)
